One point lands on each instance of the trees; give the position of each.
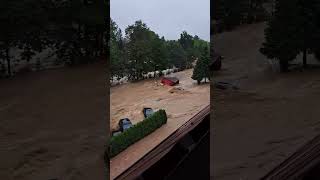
(69, 27)
(159, 53)
(138, 49)
(293, 29)
(176, 54)
(116, 52)
(142, 51)
(307, 26)
(280, 35)
(198, 45)
(228, 13)
(77, 30)
(186, 42)
(201, 70)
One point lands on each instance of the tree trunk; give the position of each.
(305, 58)
(8, 62)
(198, 82)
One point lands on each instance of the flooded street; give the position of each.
(181, 103)
(128, 100)
(269, 117)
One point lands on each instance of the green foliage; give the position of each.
(116, 51)
(70, 27)
(142, 51)
(138, 49)
(186, 41)
(293, 29)
(138, 131)
(159, 54)
(198, 46)
(201, 69)
(177, 55)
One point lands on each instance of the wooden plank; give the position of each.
(299, 163)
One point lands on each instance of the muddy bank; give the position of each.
(262, 123)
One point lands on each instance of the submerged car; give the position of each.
(116, 132)
(147, 112)
(124, 124)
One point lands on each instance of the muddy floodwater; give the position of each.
(181, 102)
(128, 100)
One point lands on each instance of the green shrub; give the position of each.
(138, 131)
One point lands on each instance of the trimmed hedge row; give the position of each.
(138, 131)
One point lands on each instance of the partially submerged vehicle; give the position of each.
(116, 132)
(124, 124)
(147, 112)
(170, 81)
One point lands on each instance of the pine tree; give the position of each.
(201, 70)
(281, 40)
(308, 33)
(294, 28)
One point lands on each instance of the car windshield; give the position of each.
(125, 122)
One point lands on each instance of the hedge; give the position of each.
(138, 131)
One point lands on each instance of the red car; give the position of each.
(170, 81)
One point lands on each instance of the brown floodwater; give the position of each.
(128, 100)
(181, 103)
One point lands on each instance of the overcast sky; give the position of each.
(167, 18)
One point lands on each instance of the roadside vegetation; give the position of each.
(293, 29)
(138, 131)
(142, 50)
(293, 26)
(202, 70)
(73, 31)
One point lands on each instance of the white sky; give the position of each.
(167, 18)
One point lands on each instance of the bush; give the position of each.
(138, 131)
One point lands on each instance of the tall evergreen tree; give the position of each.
(281, 40)
(307, 26)
(201, 70)
(293, 29)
